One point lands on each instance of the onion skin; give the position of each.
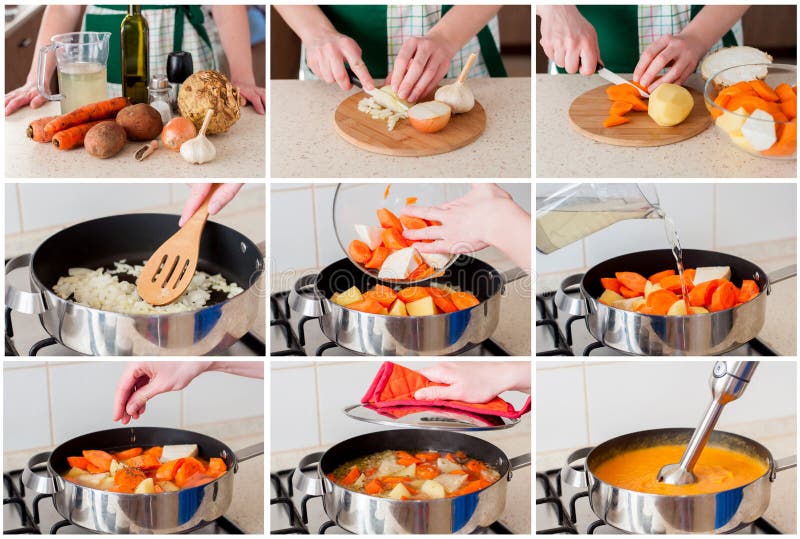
(429, 125)
(176, 132)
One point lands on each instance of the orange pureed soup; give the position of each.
(717, 469)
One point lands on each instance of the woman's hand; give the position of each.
(199, 191)
(326, 54)
(568, 39)
(142, 381)
(470, 381)
(420, 65)
(27, 95)
(250, 93)
(681, 53)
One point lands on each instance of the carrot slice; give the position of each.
(785, 92)
(612, 121)
(128, 453)
(617, 91)
(610, 283)
(359, 251)
(78, 462)
(463, 300)
(373, 487)
(619, 108)
(100, 459)
(216, 467)
(445, 304)
(656, 277)
(724, 296)
(413, 293)
(763, 90)
(367, 305)
(411, 200)
(393, 238)
(186, 470)
(145, 462)
(412, 223)
(129, 478)
(379, 256)
(631, 280)
(386, 191)
(428, 456)
(626, 292)
(673, 283)
(422, 271)
(689, 274)
(789, 108)
(659, 301)
(427, 470)
(748, 291)
(166, 472)
(389, 220)
(700, 296)
(155, 451)
(91, 468)
(787, 143)
(382, 294)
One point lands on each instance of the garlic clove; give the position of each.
(457, 95)
(199, 150)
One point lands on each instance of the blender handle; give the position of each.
(41, 65)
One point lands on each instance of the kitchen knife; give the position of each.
(383, 99)
(610, 76)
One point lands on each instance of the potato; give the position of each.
(408, 471)
(104, 140)
(351, 295)
(670, 104)
(146, 487)
(608, 297)
(421, 307)
(628, 304)
(140, 122)
(398, 308)
(432, 489)
(399, 492)
(168, 486)
(677, 309)
(649, 288)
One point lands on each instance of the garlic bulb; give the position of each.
(200, 150)
(458, 95)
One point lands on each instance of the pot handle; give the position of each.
(43, 484)
(521, 461)
(565, 302)
(570, 475)
(513, 274)
(21, 300)
(783, 464)
(248, 452)
(781, 275)
(310, 484)
(303, 297)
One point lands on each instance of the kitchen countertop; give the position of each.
(513, 442)
(240, 154)
(777, 435)
(708, 155)
(304, 143)
(247, 507)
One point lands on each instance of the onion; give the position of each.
(176, 132)
(429, 117)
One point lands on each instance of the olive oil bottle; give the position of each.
(134, 37)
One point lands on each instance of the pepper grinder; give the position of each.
(728, 381)
(179, 68)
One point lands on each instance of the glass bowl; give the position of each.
(729, 122)
(357, 203)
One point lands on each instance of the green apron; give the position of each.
(617, 30)
(366, 24)
(95, 22)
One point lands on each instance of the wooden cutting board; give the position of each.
(589, 110)
(361, 130)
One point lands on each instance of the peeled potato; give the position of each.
(670, 104)
(429, 117)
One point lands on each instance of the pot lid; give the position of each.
(428, 417)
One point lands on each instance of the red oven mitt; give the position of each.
(395, 385)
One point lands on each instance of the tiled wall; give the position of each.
(583, 404)
(301, 216)
(46, 403)
(327, 387)
(707, 216)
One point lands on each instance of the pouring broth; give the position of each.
(717, 470)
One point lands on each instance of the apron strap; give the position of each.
(196, 18)
(489, 50)
(728, 40)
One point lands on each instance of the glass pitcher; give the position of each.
(566, 213)
(81, 59)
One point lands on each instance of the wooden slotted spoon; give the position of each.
(170, 269)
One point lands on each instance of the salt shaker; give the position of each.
(160, 96)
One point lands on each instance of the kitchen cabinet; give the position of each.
(21, 34)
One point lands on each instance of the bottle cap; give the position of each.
(179, 66)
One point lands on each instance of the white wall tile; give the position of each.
(293, 398)
(49, 204)
(327, 245)
(215, 396)
(569, 257)
(26, 416)
(772, 393)
(83, 398)
(756, 212)
(292, 237)
(276, 365)
(21, 364)
(287, 186)
(560, 408)
(12, 209)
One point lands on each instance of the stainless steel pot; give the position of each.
(376, 334)
(364, 514)
(99, 243)
(636, 512)
(112, 512)
(650, 335)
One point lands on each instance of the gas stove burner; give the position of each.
(559, 334)
(292, 335)
(308, 516)
(24, 513)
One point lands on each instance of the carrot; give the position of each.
(631, 97)
(631, 280)
(100, 459)
(689, 274)
(389, 220)
(404, 458)
(379, 256)
(445, 304)
(411, 223)
(373, 487)
(724, 296)
(128, 453)
(660, 301)
(673, 283)
(619, 108)
(145, 462)
(367, 305)
(78, 462)
(411, 200)
(469, 488)
(617, 91)
(427, 471)
(91, 468)
(463, 300)
(359, 251)
(612, 121)
(187, 469)
(216, 467)
(656, 277)
(474, 466)
(129, 478)
(748, 103)
(700, 296)
(423, 271)
(748, 291)
(351, 476)
(155, 451)
(382, 294)
(102, 110)
(166, 472)
(626, 292)
(450, 457)
(640, 86)
(35, 129)
(73, 137)
(386, 191)
(740, 88)
(789, 108)
(393, 238)
(787, 143)
(197, 479)
(428, 456)
(763, 90)
(610, 283)
(413, 293)
(158, 489)
(785, 92)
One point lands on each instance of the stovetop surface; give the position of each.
(563, 509)
(291, 335)
(22, 514)
(562, 335)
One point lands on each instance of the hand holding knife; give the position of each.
(381, 97)
(612, 77)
